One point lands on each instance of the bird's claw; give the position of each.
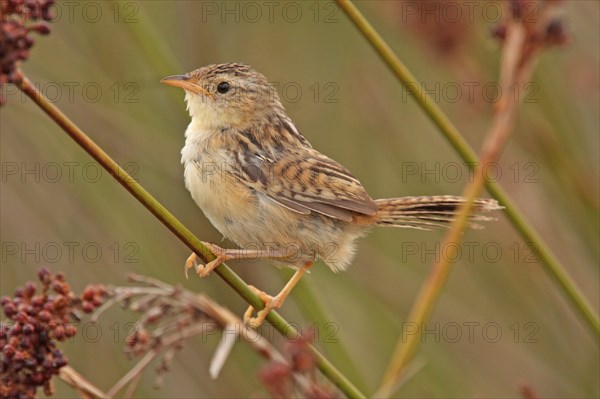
(190, 263)
(203, 270)
(270, 304)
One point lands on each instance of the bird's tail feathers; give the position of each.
(426, 213)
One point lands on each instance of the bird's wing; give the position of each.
(306, 181)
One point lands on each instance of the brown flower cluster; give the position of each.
(444, 35)
(277, 377)
(537, 16)
(36, 321)
(19, 19)
(160, 317)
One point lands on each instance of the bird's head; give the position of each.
(226, 95)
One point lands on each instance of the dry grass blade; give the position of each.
(542, 251)
(81, 384)
(168, 337)
(518, 56)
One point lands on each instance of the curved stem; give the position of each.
(495, 141)
(553, 267)
(182, 232)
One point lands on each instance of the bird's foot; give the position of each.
(271, 302)
(222, 255)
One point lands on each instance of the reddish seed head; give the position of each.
(21, 317)
(60, 302)
(100, 290)
(41, 28)
(9, 310)
(143, 337)
(70, 330)
(59, 288)
(44, 316)
(8, 351)
(28, 329)
(303, 361)
(96, 301)
(59, 332)
(88, 293)
(276, 378)
(38, 301)
(37, 378)
(87, 307)
(44, 275)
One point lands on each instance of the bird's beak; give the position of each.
(184, 81)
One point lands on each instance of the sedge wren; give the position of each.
(264, 187)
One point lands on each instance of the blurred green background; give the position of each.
(102, 65)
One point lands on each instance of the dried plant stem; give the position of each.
(451, 133)
(182, 232)
(215, 313)
(130, 393)
(136, 370)
(86, 389)
(492, 147)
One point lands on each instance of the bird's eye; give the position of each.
(223, 87)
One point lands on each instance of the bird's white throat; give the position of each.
(209, 114)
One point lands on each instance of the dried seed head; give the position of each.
(30, 357)
(19, 18)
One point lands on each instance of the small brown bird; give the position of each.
(263, 186)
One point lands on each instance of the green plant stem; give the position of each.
(451, 133)
(182, 232)
(494, 143)
(311, 308)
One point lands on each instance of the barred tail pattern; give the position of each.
(430, 212)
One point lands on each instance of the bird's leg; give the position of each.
(223, 255)
(273, 302)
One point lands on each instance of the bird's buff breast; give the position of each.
(227, 204)
(254, 221)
